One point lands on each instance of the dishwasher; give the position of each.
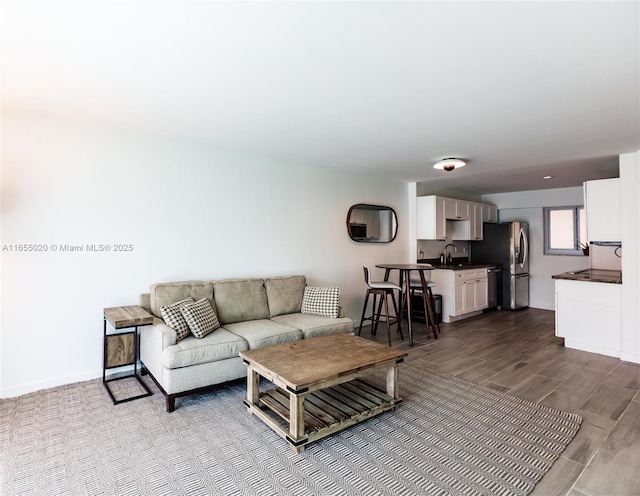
(494, 287)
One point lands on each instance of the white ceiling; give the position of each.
(520, 89)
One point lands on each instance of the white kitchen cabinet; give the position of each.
(475, 222)
(602, 204)
(438, 217)
(469, 230)
(489, 213)
(589, 316)
(464, 292)
(456, 209)
(430, 218)
(458, 301)
(482, 292)
(475, 290)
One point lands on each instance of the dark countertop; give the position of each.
(592, 275)
(457, 264)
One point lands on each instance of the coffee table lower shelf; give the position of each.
(326, 411)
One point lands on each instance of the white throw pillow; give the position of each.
(321, 301)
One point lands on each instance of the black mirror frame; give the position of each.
(371, 207)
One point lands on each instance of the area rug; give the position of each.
(448, 437)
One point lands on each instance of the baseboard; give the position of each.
(591, 348)
(19, 390)
(630, 357)
(542, 306)
(448, 319)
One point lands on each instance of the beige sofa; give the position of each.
(253, 313)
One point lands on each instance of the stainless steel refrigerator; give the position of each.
(507, 244)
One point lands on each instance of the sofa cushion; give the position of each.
(200, 317)
(313, 325)
(321, 301)
(219, 345)
(238, 300)
(261, 333)
(168, 293)
(172, 316)
(284, 294)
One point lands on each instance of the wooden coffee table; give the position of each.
(319, 390)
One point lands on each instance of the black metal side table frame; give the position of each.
(127, 344)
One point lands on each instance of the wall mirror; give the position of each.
(372, 223)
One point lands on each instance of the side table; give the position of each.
(121, 348)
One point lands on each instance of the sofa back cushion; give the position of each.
(285, 294)
(168, 293)
(238, 300)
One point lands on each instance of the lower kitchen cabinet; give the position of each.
(588, 316)
(464, 292)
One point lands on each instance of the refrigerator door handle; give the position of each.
(523, 237)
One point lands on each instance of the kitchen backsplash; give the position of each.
(604, 257)
(433, 248)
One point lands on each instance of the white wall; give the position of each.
(527, 206)
(629, 215)
(189, 211)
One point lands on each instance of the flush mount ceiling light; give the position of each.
(449, 164)
(547, 177)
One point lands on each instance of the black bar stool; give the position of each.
(382, 289)
(429, 304)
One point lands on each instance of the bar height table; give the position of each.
(405, 272)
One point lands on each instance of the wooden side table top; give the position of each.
(313, 361)
(129, 316)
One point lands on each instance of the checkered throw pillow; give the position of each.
(321, 301)
(200, 317)
(172, 316)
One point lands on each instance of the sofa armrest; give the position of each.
(158, 336)
(153, 340)
(145, 301)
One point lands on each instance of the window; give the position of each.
(565, 230)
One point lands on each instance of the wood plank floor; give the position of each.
(517, 352)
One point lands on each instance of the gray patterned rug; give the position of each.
(448, 437)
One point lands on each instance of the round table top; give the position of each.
(406, 266)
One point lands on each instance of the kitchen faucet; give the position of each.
(455, 249)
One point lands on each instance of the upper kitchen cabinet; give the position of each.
(430, 216)
(440, 218)
(489, 213)
(602, 204)
(469, 230)
(456, 209)
(475, 224)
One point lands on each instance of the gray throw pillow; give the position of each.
(172, 316)
(200, 317)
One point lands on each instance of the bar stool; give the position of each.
(428, 301)
(382, 289)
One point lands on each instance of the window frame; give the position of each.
(576, 231)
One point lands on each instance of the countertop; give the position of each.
(457, 264)
(592, 275)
